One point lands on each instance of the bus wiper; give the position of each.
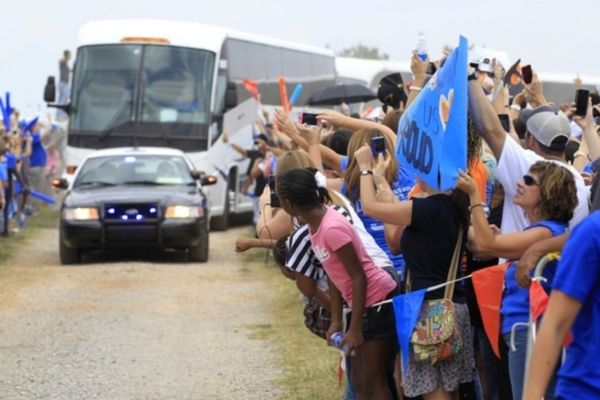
(112, 125)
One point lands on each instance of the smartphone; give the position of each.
(505, 122)
(275, 203)
(378, 145)
(526, 74)
(581, 101)
(309, 119)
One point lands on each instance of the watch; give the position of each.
(366, 172)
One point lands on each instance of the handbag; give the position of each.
(316, 318)
(436, 336)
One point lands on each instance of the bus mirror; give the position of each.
(208, 180)
(60, 183)
(50, 90)
(231, 96)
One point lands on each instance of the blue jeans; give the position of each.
(516, 365)
(349, 392)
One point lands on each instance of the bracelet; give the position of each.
(416, 88)
(366, 172)
(515, 107)
(482, 205)
(580, 154)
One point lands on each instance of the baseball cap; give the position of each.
(550, 128)
(391, 90)
(483, 65)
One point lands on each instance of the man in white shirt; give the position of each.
(546, 137)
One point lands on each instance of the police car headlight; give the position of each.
(183, 212)
(80, 214)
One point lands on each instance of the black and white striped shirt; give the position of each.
(301, 257)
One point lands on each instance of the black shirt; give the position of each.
(428, 244)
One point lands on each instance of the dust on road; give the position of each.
(133, 330)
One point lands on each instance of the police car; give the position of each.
(134, 198)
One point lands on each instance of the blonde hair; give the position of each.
(293, 160)
(352, 173)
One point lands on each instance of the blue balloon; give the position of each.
(31, 124)
(296, 94)
(42, 197)
(9, 108)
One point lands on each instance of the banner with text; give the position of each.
(433, 130)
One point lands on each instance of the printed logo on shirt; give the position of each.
(321, 253)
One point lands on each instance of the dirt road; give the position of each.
(135, 329)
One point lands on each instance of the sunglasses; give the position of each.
(530, 180)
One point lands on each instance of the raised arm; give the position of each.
(483, 240)
(485, 118)
(388, 213)
(339, 120)
(590, 136)
(419, 70)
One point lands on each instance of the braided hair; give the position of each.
(299, 187)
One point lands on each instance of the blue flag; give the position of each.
(433, 130)
(406, 310)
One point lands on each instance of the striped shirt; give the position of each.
(301, 258)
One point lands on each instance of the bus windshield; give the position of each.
(159, 94)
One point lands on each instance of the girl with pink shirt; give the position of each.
(353, 277)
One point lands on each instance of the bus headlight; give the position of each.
(80, 214)
(183, 212)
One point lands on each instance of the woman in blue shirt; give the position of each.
(548, 197)
(574, 305)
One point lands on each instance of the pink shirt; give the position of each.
(334, 233)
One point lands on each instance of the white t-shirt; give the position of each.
(515, 162)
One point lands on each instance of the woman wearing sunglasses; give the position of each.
(548, 196)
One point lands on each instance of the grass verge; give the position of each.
(309, 366)
(46, 218)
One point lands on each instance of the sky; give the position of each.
(553, 36)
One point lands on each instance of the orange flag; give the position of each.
(283, 94)
(538, 300)
(489, 284)
(252, 88)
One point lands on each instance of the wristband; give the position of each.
(482, 205)
(416, 88)
(366, 172)
(515, 107)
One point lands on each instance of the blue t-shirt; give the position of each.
(3, 172)
(515, 299)
(578, 276)
(401, 188)
(11, 160)
(38, 153)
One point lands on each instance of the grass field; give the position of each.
(46, 218)
(309, 365)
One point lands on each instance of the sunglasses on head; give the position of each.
(530, 180)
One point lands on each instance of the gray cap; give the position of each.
(550, 128)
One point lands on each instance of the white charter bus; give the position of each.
(167, 83)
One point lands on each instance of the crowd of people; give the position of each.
(31, 155)
(354, 228)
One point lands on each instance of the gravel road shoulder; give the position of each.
(133, 330)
